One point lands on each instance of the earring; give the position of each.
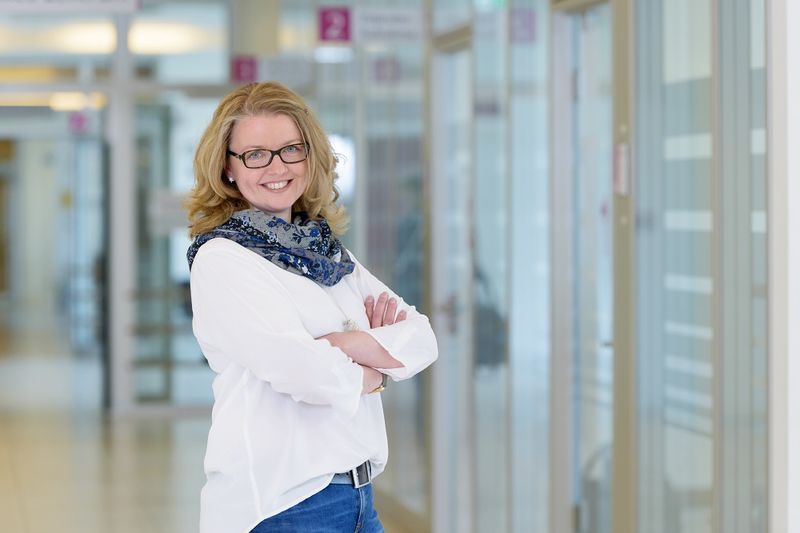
(230, 179)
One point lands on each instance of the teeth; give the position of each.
(277, 185)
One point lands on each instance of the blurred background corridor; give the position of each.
(575, 191)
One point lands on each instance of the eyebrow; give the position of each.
(262, 147)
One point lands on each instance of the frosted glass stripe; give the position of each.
(758, 221)
(758, 141)
(689, 366)
(688, 220)
(687, 420)
(598, 395)
(693, 284)
(699, 399)
(687, 54)
(687, 147)
(688, 330)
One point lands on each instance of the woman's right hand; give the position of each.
(382, 312)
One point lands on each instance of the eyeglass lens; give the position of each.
(294, 153)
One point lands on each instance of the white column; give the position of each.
(783, 71)
(362, 155)
(121, 134)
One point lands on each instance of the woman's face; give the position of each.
(274, 188)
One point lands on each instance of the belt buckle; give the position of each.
(362, 475)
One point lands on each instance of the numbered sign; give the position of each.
(334, 24)
(244, 69)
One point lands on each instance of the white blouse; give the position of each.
(288, 410)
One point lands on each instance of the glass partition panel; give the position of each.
(677, 331)
(335, 94)
(170, 368)
(529, 266)
(701, 273)
(489, 220)
(393, 110)
(52, 264)
(592, 246)
(453, 265)
(742, 208)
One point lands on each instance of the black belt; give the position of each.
(357, 477)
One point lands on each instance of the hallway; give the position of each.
(592, 200)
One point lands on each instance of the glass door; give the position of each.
(170, 371)
(53, 290)
(451, 162)
(701, 283)
(584, 258)
(593, 266)
(489, 284)
(470, 185)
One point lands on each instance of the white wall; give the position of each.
(783, 67)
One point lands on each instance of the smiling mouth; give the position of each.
(277, 185)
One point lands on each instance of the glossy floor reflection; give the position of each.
(66, 467)
(83, 473)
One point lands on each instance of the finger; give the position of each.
(380, 309)
(391, 308)
(401, 316)
(369, 305)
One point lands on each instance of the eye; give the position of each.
(255, 155)
(291, 149)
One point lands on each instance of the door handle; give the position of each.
(450, 309)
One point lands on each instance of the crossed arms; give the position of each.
(363, 348)
(243, 316)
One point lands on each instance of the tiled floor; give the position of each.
(79, 472)
(67, 468)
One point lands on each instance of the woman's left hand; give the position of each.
(382, 312)
(362, 347)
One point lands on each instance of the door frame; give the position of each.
(624, 465)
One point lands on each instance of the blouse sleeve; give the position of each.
(411, 341)
(243, 316)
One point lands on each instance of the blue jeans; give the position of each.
(334, 509)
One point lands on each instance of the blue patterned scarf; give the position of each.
(305, 247)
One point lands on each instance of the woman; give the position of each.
(301, 337)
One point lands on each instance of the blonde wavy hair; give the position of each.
(213, 200)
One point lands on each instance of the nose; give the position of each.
(276, 165)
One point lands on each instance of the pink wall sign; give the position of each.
(78, 123)
(334, 24)
(244, 69)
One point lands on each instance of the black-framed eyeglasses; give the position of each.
(262, 157)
